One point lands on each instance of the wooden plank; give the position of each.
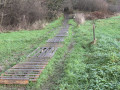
(20, 74)
(14, 77)
(36, 60)
(23, 72)
(19, 77)
(12, 69)
(28, 66)
(33, 80)
(40, 51)
(37, 52)
(60, 35)
(34, 63)
(55, 44)
(56, 41)
(43, 53)
(33, 77)
(33, 52)
(15, 81)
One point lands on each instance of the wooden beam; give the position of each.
(22, 82)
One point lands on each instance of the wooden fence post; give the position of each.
(94, 37)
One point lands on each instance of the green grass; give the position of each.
(93, 67)
(50, 68)
(15, 46)
(86, 66)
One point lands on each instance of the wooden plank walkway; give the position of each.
(36, 62)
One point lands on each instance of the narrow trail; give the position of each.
(31, 69)
(58, 74)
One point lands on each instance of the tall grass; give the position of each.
(94, 67)
(15, 46)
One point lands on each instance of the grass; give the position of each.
(50, 68)
(93, 67)
(85, 66)
(15, 46)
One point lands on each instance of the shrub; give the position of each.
(114, 8)
(79, 18)
(22, 12)
(90, 5)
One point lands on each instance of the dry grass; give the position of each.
(79, 18)
(97, 15)
(90, 5)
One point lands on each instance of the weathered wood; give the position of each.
(61, 35)
(25, 65)
(33, 52)
(24, 69)
(34, 63)
(15, 81)
(36, 59)
(28, 68)
(56, 40)
(20, 74)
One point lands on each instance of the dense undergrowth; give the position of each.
(15, 46)
(86, 66)
(93, 67)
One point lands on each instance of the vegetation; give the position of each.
(15, 46)
(49, 70)
(90, 5)
(27, 14)
(79, 64)
(93, 66)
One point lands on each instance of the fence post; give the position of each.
(94, 37)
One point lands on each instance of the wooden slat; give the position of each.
(19, 77)
(20, 74)
(36, 60)
(25, 69)
(23, 72)
(40, 51)
(61, 35)
(28, 66)
(15, 81)
(33, 52)
(43, 53)
(34, 63)
(33, 80)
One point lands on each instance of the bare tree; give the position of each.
(14, 12)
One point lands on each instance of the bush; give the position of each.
(96, 15)
(22, 12)
(79, 18)
(114, 8)
(90, 5)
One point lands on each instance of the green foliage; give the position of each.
(54, 6)
(94, 67)
(15, 46)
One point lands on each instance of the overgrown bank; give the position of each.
(91, 66)
(34, 14)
